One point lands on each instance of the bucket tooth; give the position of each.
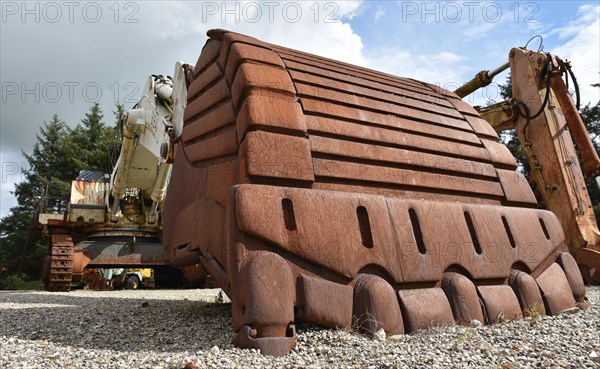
(273, 346)
(463, 298)
(376, 306)
(324, 302)
(571, 269)
(528, 293)
(425, 308)
(500, 303)
(266, 326)
(556, 291)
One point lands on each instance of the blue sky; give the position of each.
(395, 18)
(478, 34)
(116, 45)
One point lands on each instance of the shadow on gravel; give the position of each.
(120, 324)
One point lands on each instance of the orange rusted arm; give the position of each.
(591, 162)
(550, 150)
(482, 79)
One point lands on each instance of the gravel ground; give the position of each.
(168, 329)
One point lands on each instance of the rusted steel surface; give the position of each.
(576, 126)
(589, 263)
(98, 246)
(57, 272)
(93, 280)
(80, 261)
(132, 253)
(316, 190)
(547, 143)
(87, 192)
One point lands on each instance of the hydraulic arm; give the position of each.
(143, 163)
(547, 122)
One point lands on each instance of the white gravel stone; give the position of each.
(475, 323)
(88, 329)
(379, 335)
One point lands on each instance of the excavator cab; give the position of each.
(88, 199)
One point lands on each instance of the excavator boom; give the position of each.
(547, 121)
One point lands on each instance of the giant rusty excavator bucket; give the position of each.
(314, 190)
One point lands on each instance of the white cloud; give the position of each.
(479, 31)
(440, 68)
(347, 9)
(582, 48)
(316, 27)
(313, 31)
(447, 57)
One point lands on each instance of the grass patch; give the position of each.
(534, 313)
(35, 285)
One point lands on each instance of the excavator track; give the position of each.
(58, 263)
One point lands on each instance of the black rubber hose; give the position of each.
(548, 75)
(577, 96)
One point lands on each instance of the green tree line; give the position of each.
(58, 155)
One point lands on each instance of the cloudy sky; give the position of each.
(60, 57)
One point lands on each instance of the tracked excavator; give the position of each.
(114, 221)
(318, 191)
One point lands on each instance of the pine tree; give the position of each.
(47, 175)
(119, 119)
(114, 145)
(56, 159)
(22, 245)
(591, 117)
(14, 229)
(90, 138)
(50, 167)
(93, 138)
